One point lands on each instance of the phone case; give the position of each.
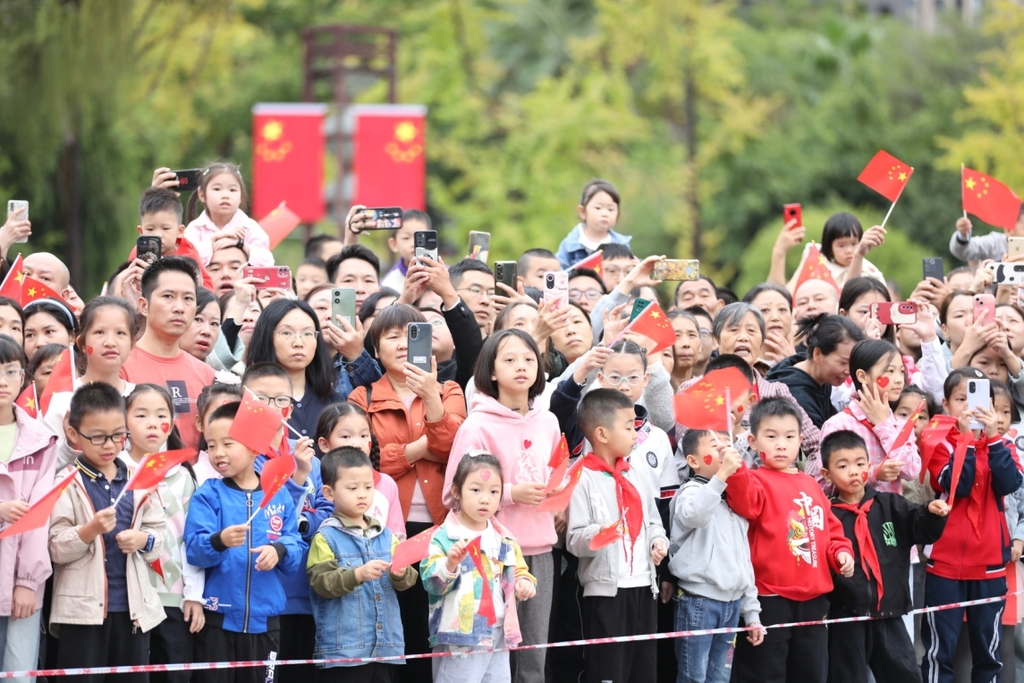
(188, 179)
(791, 212)
(420, 342)
(556, 289)
(984, 308)
(638, 307)
(426, 244)
(385, 218)
(933, 267)
(343, 303)
(479, 245)
(978, 396)
(1008, 273)
(273, 277)
(15, 205)
(507, 273)
(677, 270)
(148, 248)
(1014, 246)
(894, 313)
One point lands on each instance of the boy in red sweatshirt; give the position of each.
(969, 561)
(795, 544)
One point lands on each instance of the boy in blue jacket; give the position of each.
(244, 596)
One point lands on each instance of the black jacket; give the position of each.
(468, 343)
(814, 398)
(896, 524)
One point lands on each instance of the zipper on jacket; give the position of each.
(248, 561)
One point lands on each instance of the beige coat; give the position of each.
(79, 577)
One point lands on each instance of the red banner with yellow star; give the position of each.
(989, 199)
(288, 159)
(389, 158)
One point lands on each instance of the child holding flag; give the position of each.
(474, 561)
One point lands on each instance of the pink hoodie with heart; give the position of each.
(523, 444)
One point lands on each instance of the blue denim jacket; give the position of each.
(571, 250)
(362, 372)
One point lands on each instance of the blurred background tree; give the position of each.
(707, 115)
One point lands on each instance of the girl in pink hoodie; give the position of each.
(502, 421)
(28, 458)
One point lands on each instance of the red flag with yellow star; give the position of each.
(411, 551)
(61, 379)
(559, 463)
(389, 155)
(989, 199)
(815, 267)
(908, 428)
(703, 405)
(28, 401)
(279, 223)
(594, 262)
(155, 467)
(934, 434)
(11, 286)
(886, 175)
(559, 500)
(609, 533)
(39, 513)
(32, 289)
(486, 595)
(653, 324)
(255, 424)
(274, 475)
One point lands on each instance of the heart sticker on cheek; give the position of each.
(883, 382)
(708, 460)
(88, 350)
(165, 427)
(485, 474)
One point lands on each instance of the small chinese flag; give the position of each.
(11, 286)
(275, 474)
(886, 175)
(703, 405)
(411, 551)
(933, 435)
(559, 463)
(61, 379)
(39, 513)
(279, 223)
(908, 428)
(594, 262)
(255, 424)
(28, 401)
(486, 596)
(609, 533)
(989, 199)
(653, 324)
(959, 455)
(815, 267)
(157, 567)
(32, 289)
(155, 467)
(558, 501)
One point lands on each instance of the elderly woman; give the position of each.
(776, 306)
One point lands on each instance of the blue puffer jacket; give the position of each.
(246, 597)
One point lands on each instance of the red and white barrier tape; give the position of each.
(203, 666)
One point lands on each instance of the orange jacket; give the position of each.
(394, 427)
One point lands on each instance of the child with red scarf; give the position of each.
(883, 528)
(615, 529)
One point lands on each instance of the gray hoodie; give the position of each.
(710, 555)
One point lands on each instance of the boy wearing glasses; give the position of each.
(101, 543)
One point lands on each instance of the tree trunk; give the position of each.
(693, 195)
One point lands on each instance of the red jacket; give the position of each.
(976, 542)
(794, 536)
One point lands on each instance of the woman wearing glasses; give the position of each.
(288, 333)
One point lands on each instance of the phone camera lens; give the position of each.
(972, 387)
(414, 332)
(551, 280)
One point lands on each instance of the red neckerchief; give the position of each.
(628, 497)
(866, 422)
(868, 554)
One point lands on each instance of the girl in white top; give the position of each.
(223, 223)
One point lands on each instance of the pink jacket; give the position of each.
(200, 233)
(25, 559)
(879, 440)
(523, 444)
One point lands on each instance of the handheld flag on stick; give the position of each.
(653, 324)
(279, 223)
(594, 262)
(559, 463)
(486, 596)
(11, 286)
(886, 175)
(989, 199)
(559, 500)
(28, 400)
(412, 550)
(39, 513)
(32, 289)
(706, 405)
(62, 378)
(908, 428)
(609, 533)
(273, 477)
(255, 424)
(153, 469)
(934, 434)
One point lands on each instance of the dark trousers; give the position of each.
(940, 630)
(565, 663)
(632, 611)
(883, 645)
(375, 672)
(115, 642)
(171, 643)
(298, 635)
(412, 604)
(787, 654)
(214, 644)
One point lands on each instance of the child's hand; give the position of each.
(731, 461)
(963, 422)
(561, 524)
(614, 323)
(303, 460)
(845, 560)
(875, 408)
(132, 540)
(234, 536)
(104, 521)
(668, 589)
(873, 237)
(756, 637)
(963, 226)
(23, 603)
(525, 588)
(13, 510)
(987, 417)
(658, 551)
(888, 470)
(939, 507)
(266, 557)
(194, 615)
(528, 493)
(371, 571)
(455, 555)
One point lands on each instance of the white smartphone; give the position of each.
(556, 289)
(978, 396)
(13, 207)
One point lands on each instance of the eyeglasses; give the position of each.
(279, 401)
(705, 334)
(13, 375)
(577, 294)
(305, 335)
(117, 439)
(617, 380)
(476, 290)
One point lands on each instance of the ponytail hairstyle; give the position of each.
(211, 171)
(329, 418)
(826, 331)
(867, 353)
(87, 319)
(631, 348)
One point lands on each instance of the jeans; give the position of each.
(705, 658)
(19, 644)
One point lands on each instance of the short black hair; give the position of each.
(11, 352)
(90, 399)
(524, 261)
(614, 250)
(369, 307)
(590, 273)
(699, 312)
(415, 215)
(168, 264)
(775, 406)
(41, 355)
(344, 458)
(356, 251)
(843, 440)
(957, 377)
(458, 270)
(598, 409)
(597, 185)
(264, 369)
(315, 245)
(731, 360)
(691, 439)
(838, 225)
(157, 199)
(228, 411)
(395, 316)
(487, 359)
(705, 278)
(314, 261)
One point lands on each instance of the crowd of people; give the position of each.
(815, 504)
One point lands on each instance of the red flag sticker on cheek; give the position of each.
(864, 476)
(707, 460)
(883, 382)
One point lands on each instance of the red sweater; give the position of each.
(794, 535)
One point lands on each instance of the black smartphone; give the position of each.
(638, 307)
(507, 273)
(148, 248)
(426, 244)
(420, 344)
(933, 267)
(188, 179)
